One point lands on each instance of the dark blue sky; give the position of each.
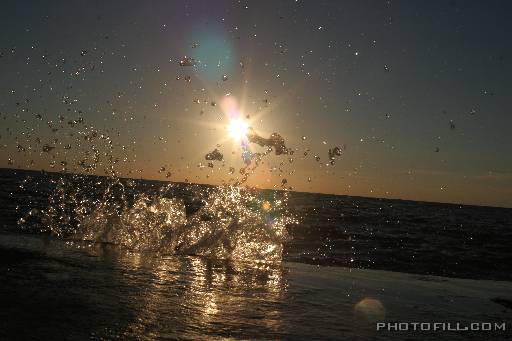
(415, 91)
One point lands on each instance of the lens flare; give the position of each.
(237, 129)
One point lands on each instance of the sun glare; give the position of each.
(237, 129)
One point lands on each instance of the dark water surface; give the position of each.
(397, 235)
(64, 288)
(56, 290)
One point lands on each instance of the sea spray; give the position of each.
(228, 222)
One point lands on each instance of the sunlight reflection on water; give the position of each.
(85, 290)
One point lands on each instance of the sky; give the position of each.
(413, 93)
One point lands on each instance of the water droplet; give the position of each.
(214, 155)
(187, 61)
(47, 148)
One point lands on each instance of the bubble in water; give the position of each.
(224, 78)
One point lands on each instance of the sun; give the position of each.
(237, 129)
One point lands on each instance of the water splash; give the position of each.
(226, 222)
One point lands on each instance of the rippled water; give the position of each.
(233, 223)
(105, 258)
(77, 290)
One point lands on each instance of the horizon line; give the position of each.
(260, 188)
